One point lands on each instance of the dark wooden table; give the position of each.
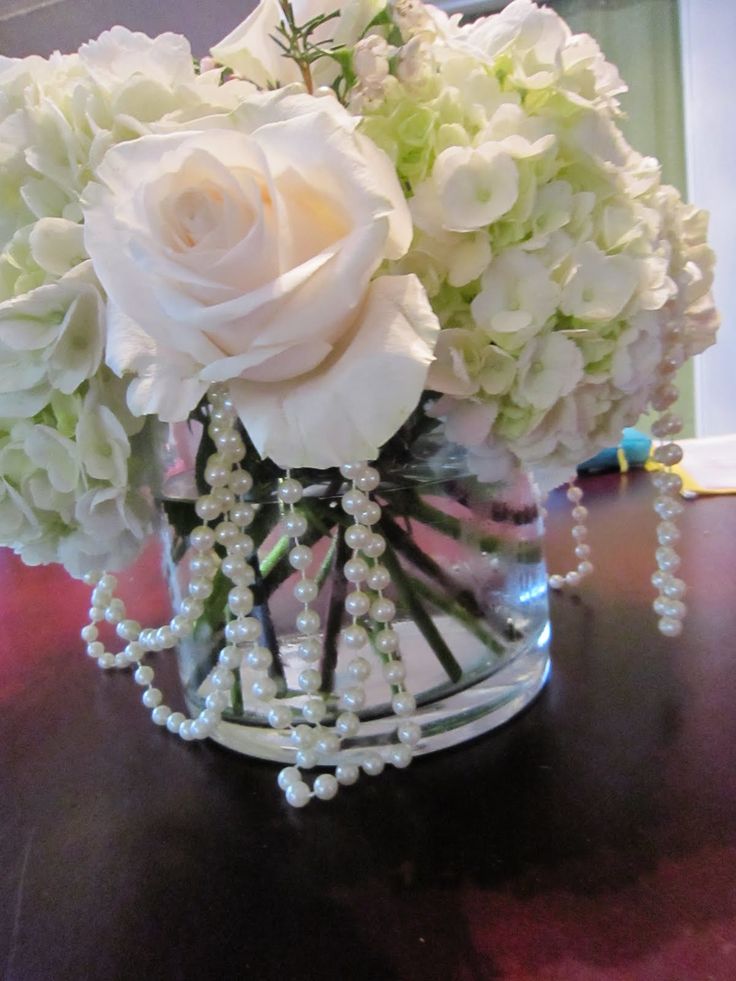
(592, 838)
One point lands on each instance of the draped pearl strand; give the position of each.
(668, 604)
(226, 514)
(579, 533)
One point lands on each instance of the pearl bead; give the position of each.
(325, 786)
(96, 613)
(356, 536)
(579, 532)
(259, 658)
(352, 470)
(356, 570)
(192, 607)
(227, 532)
(373, 764)
(307, 622)
(209, 718)
(200, 588)
(369, 514)
(667, 558)
(314, 710)
(401, 756)
(165, 638)
(383, 610)
(230, 445)
(306, 758)
(224, 497)
(347, 774)
(352, 699)
(297, 794)
(368, 479)
(353, 500)
(152, 698)
(95, 649)
(106, 661)
(327, 743)
(667, 425)
(294, 524)
(242, 546)
(217, 474)
(582, 551)
(409, 732)
(667, 533)
(242, 514)
(207, 507)
(202, 538)
(108, 582)
(134, 651)
(243, 630)
(659, 579)
(199, 729)
(300, 557)
(670, 626)
(89, 633)
(230, 657)
(579, 513)
(394, 672)
(347, 724)
(115, 611)
(240, 482)
(143, 675)
(669, 454)
(306, 590)
(674, 588)
(379, 578)
(374, 547)
(673, 608)
(556, 581)
(222, 678)
(386, 641)
(160, 715)
(217, 701)
(357, 603)
(574, 494)
(403, 703)
(174, 721)
(128, 630)
(309, 680)
(572, 578)
(91, 578)
(238, 571)
(263, 689)
(289, 491)
(359, 669)
(240, 600)
(279, 717)
(121, 660)
(585, 568)
(355, 636)
(664, 396)
(288, 776)
(309, 648)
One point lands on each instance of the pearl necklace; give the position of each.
(226, 514)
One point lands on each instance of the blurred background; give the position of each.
(675, 55)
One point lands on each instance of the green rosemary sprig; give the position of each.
(294, 41)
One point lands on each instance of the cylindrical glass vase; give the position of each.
(465, 571)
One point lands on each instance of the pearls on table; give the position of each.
(579, 533)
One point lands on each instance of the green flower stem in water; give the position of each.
(458, 612)
(335, 612)
(421, 618)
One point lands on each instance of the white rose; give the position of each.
(248, 256)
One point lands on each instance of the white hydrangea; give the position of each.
(554, 258)
(67, 492)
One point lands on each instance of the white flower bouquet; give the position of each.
(347, 232)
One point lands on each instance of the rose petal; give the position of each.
(334, 416)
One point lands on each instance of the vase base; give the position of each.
(446, 721)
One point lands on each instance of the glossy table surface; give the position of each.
(592, 838)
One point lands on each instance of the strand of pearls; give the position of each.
(668, 604)
(226, 514)
(579, 533)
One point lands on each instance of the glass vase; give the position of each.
(469, 585)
